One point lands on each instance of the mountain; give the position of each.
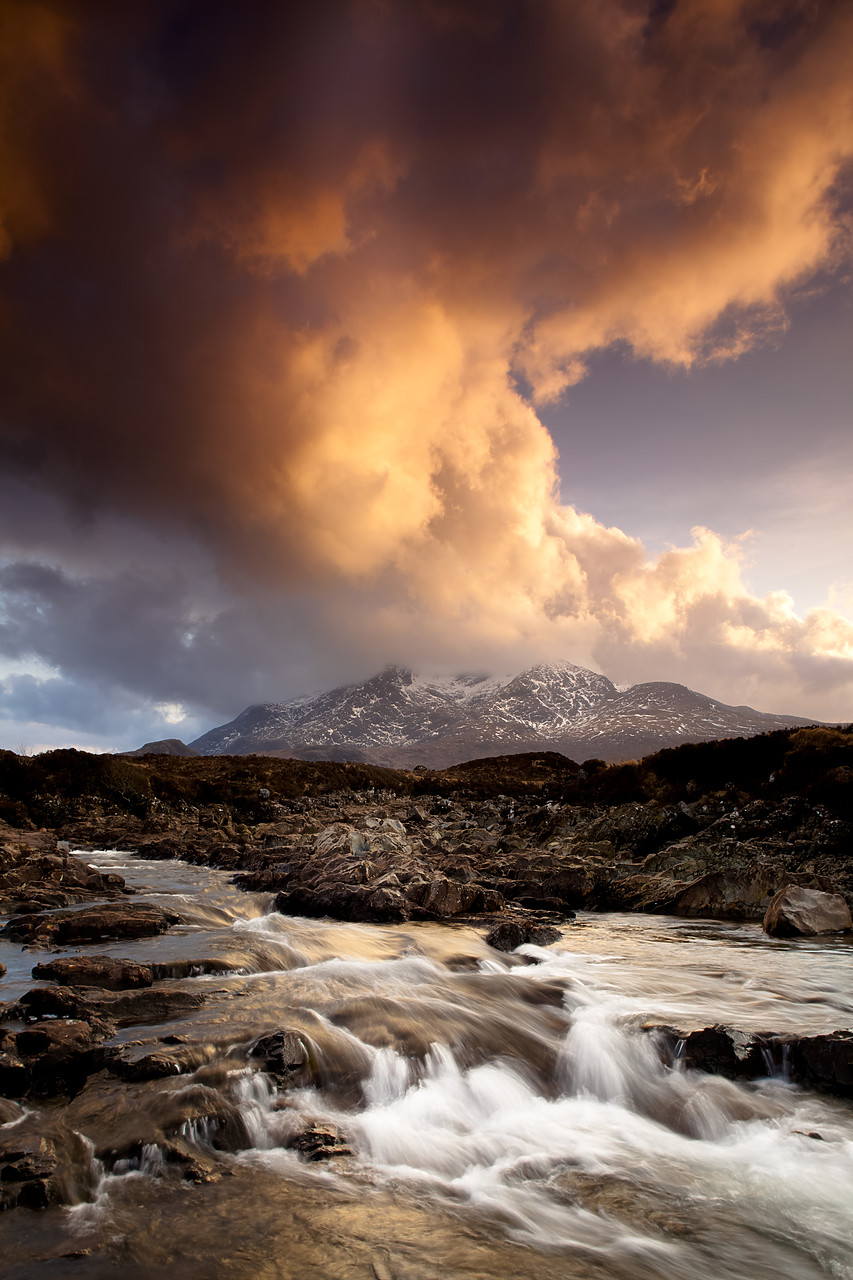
(164, 747)
(401, 719)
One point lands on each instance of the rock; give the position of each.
(806, 912)
(53, 1058)
(94, 1004)
(95, 971)
(321, 1142)
(727, 895)
(573, 886)
(345, 902)
(721, 1051)
(341, 837)
(39, 1169)
(284, 1056)
(509, 934)
(14, 1076)
(89, 924)
(148, 1066)
(824, 1062)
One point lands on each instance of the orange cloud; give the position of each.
(302, 274)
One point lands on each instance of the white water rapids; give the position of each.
(504, 1116)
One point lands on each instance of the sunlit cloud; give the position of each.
(305, 304)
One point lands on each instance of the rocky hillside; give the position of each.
(399, 719)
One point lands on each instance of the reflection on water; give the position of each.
(505, 1116)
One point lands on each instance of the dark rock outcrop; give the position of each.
(823, 1062)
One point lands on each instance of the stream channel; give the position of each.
(507, 1115)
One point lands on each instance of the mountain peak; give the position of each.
(402, 718)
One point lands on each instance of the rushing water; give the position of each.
(506, 1114)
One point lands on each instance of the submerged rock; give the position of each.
(808, 912)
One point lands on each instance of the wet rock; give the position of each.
(34, 874)
(807, 912)
(14, 1075)
(39, 1169)
(148, 1066)
(123, 1008)
(95, 971)
(321, 1142)
(345, 902)
(572, 886)
(510, 934)
(89, 924)
(284, 1055)
(824, 1062)
(54, 1058)
(722, 1051)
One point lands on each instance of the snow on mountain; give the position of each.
(400, 718)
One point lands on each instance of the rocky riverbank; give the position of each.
(504, 846)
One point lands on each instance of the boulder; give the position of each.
(321, 1142)
(510, 934)
(797, 912)
(824, 1062)
(355, 902)
(573, 886)
(727, 895)
(285, 1056)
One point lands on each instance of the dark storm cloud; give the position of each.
(275, 277)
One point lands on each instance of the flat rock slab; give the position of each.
(124, 1008)
(95, 971)
(806, 912)
(90, 924)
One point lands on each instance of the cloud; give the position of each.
(286, 289)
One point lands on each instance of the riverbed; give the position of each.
(500, 1114)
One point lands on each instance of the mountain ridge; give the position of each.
(399, 718)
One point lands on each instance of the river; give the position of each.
(506, 1114)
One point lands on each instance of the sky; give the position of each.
(461, 334)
